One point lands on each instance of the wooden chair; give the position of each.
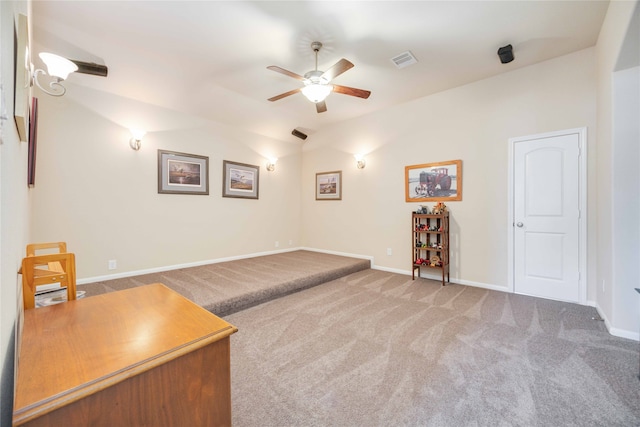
(47, 269)
(60, 246)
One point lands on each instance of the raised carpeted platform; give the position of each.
(227, 287)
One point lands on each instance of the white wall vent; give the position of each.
(404, 59)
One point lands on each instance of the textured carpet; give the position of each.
(227, 287)
(378, 349)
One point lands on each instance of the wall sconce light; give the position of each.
(360, 162)
(136, 138)
(271, 164)
(59, 68)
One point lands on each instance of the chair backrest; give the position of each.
(33, 275)
(60, 246)
(33, 247)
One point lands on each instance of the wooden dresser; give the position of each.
(144, 356)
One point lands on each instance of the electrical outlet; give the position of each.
(389, 251)
(277, 244)
(113, 264)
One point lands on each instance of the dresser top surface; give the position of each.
(73, 348)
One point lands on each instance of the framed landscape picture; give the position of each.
(434, 182)
(182, 173)
(329, 185)
(240, 180)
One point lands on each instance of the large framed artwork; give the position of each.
(182, 173)
(22, 78)
(329, 185)
(434, 182)
(240, 180)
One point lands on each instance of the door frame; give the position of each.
(582, 194)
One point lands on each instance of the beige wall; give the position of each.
(14, 207)
(472, 123)
(610, 298)
(97, 194)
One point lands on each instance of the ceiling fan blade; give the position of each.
(285, 72)
(321, 107)
(337, 69)
(346, 90)
(284, 95)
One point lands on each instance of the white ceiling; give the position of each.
(209, 58)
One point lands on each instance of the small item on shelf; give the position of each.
(439, 208)
(435, 261)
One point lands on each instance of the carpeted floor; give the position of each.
(378, 349)
(227, 287)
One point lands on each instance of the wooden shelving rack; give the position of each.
(430, 243)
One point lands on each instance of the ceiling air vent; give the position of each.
(404, 59)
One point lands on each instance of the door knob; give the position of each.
(520, 224)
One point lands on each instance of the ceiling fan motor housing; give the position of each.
(315, 77)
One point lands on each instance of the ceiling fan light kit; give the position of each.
(317, 92)
(316, 83)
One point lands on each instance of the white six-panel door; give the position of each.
(546, 221)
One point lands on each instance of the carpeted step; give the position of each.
(227, 287)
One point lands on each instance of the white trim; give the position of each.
(392, 270)
(613, 331)
(582, 238)
(622, 333)
(178, 266)
(325, 251)
(510, 219)
(438, 278)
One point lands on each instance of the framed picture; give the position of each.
(182, 173)
(240, 180)
(23, 78)
(437, 182)
(329, 185)
(33, 139)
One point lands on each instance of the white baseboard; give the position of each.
(438, 278)
(324, 251)
(178, 266)
(622, 333)
(408, 272)
(632, 335)
(391, 270)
